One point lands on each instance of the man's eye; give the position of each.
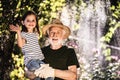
(58, 32)
(51, 32)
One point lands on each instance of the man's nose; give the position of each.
(54, 34)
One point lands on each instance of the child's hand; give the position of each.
(14, 28)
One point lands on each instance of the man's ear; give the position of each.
(22, 22)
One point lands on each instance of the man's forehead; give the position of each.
(56, 28)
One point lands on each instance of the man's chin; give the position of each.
(55, 43)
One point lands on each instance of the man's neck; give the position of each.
(55, 47)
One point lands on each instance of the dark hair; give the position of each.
(24, 17)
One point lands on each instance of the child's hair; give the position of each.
(36, 27)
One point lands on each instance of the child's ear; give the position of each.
(22, 22)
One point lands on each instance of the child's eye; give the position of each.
(28, 20)
(31, 21)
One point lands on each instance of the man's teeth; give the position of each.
(55, 39)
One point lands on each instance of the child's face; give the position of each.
(30, 22)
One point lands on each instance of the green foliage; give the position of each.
(110, 72)
(114, 24)
(18, 72)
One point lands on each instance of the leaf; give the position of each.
(116, 16)
(108, 58)
(107, 52)
(112, 30)
(102, 38)
(112, 8)
(19, 4)
(107, 39)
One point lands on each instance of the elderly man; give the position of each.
(62, 60)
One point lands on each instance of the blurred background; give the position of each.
(95, 27)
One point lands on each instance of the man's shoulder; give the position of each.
(45, 47)
(69, 48)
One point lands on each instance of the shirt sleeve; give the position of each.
(23, 34)
(72, 59)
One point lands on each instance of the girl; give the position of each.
(27, 40)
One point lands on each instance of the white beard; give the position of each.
(59, 42)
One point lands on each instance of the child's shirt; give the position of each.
(31, 49)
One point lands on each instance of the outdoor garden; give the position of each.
(95, 35)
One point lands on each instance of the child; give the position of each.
(27, 40)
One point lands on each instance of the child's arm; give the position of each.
(20, 40)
